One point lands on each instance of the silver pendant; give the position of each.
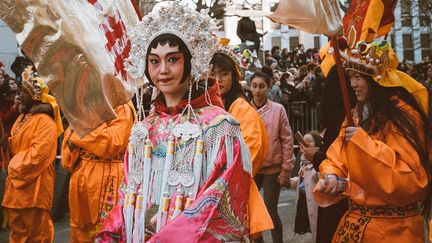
(187, 179)
(186, 131)
(173, 178)
(138, 134)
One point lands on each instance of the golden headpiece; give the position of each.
(40, 92)
(377, 60)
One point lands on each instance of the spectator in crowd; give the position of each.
(275, 171)
(8, 106)
(276, 53)
(404, 66)
(331, 115)
(301, 55)
(289, 92)
(269, 60)
(317, 84)
(304, 183)
(295, 72)
(19, 65)
(276, 93)
(227, 73)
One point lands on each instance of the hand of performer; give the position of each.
(328, 185)
(349, 133)
(284, 181)
(308, 150)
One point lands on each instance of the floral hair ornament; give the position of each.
(241, 59)
(193, 28)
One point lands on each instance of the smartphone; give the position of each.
(300, 138)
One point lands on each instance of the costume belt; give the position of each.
(89, 156)
(385, 211)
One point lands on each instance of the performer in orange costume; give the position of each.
(30, 183)
(386, 156)
(226, 71)
(96, 164)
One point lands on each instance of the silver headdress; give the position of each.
(195, 29)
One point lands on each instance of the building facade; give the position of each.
(411, 36)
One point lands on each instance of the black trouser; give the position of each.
(255, 37)
(271, 198)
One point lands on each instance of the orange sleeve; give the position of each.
(28, 164)
(392, 169)
(253, 131)
(111, 138)
(430, 231)
(69, 155)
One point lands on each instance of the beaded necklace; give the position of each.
(22, 122)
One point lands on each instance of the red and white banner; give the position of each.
(78, 47)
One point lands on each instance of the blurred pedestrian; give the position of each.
(276, 170)
(306, 207)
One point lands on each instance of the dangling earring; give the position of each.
(206, 94)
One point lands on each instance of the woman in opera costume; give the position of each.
(226, 71)
(385, 157)
(188, 168)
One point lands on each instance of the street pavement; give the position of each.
(286, 212)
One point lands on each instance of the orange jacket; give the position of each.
(253, 130)
(383, 168)
(255, 135)
(107, 141)
(30, 182)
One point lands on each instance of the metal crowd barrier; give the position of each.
(303, 117)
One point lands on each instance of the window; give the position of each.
(425, 40)
(408, 55)
(426, 44)
(276, 41)
(426, 53)
(406, 21)
(294, 42)
(408, 47)
(423, 7)
(317, 41)
(424, 20)
(405, 6)
(407, 41)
